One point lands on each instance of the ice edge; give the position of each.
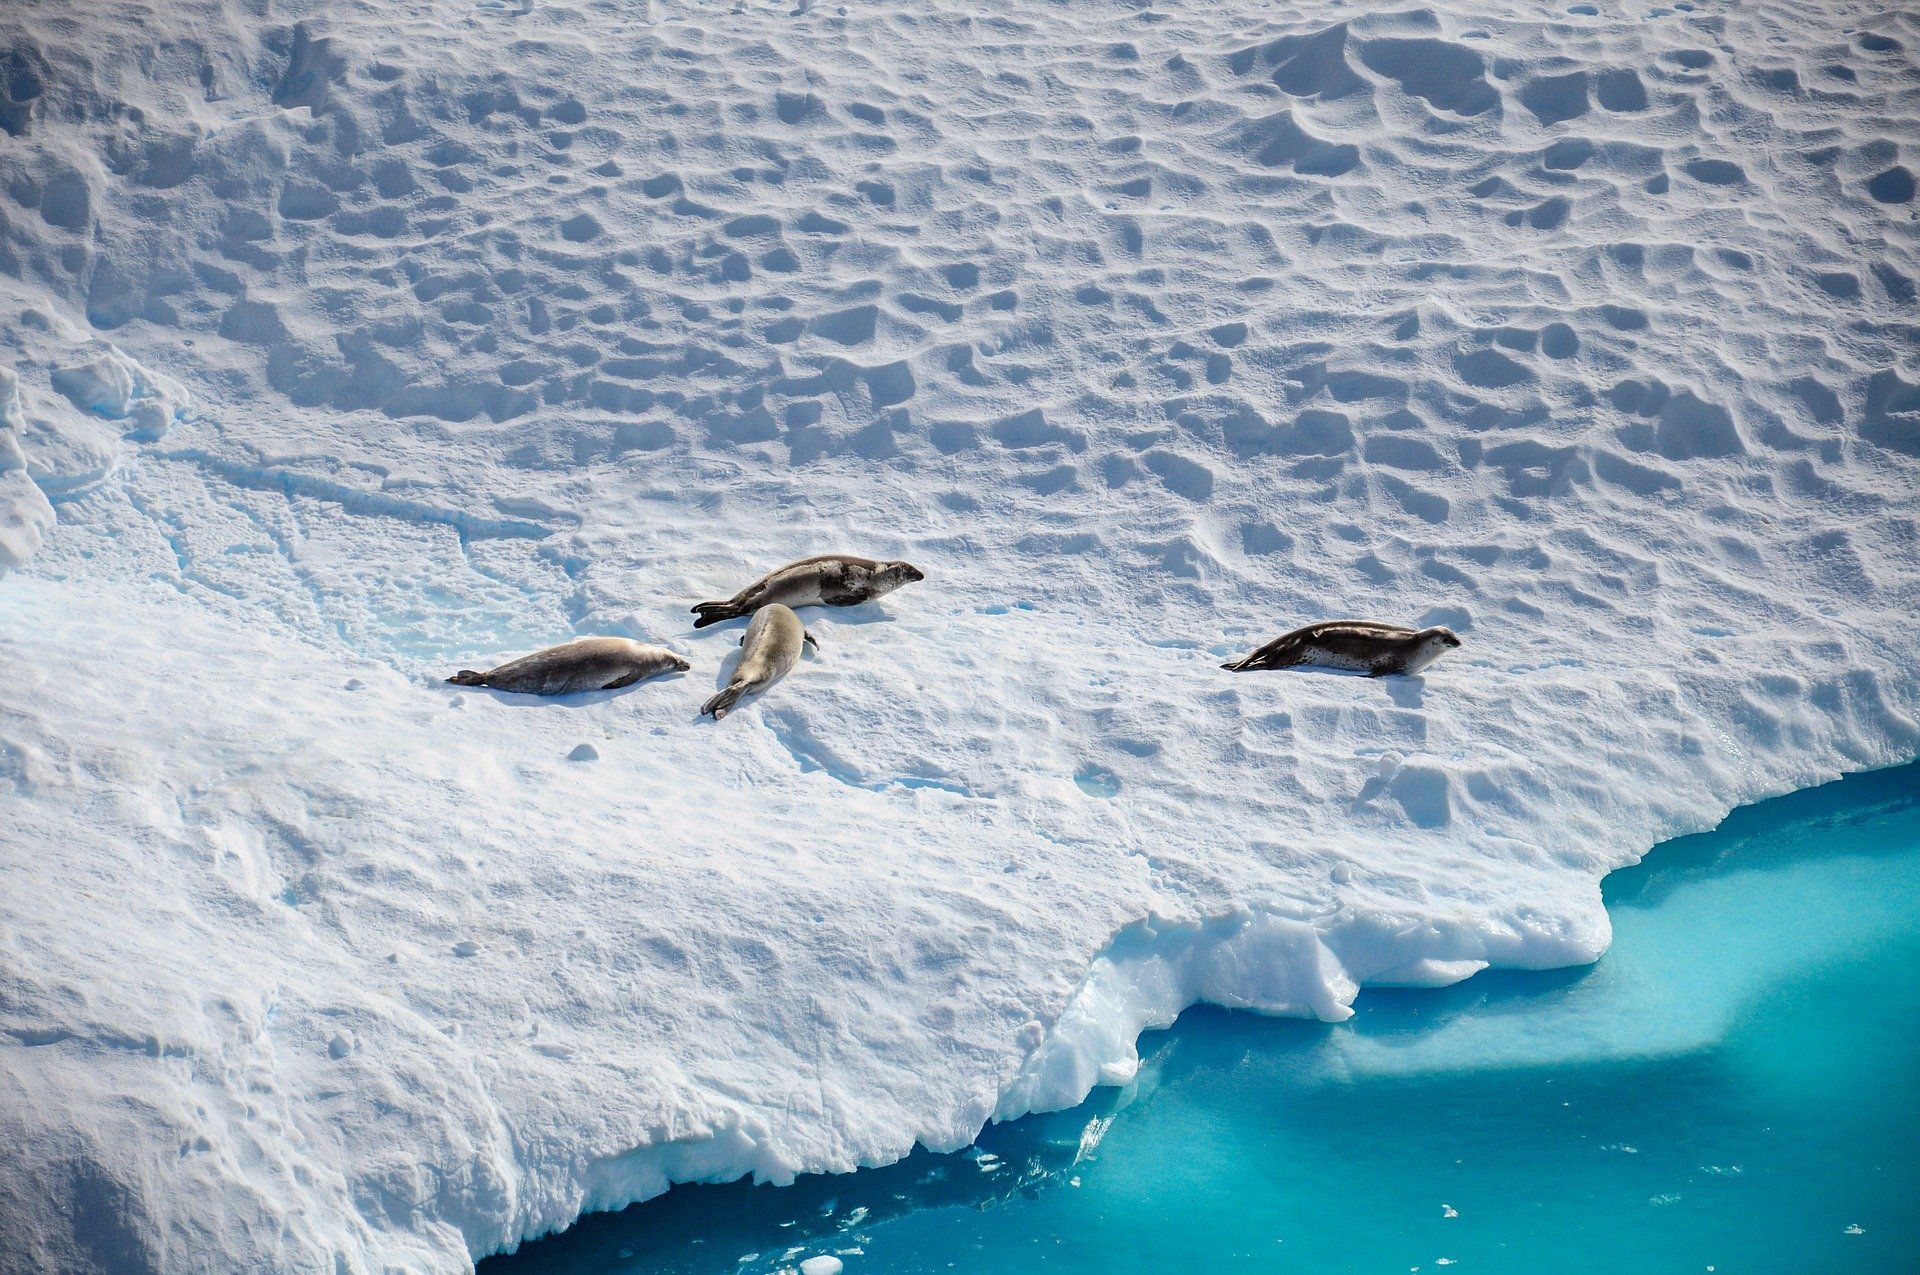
(1150, 972)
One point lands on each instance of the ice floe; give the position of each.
(1149, 333)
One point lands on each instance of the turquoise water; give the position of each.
(1734, 1088)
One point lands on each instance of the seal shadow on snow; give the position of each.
(582, 699)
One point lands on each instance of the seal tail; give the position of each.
(467, 677)
(722, 704)
(715, 612)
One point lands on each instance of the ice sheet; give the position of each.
(351, 344)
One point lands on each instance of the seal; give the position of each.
(1359, 646)
(769, 648)
(584, 664)
(832, 579)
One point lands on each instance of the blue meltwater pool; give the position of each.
(1735, 1087)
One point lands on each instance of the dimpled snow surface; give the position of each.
(347, 344)
(1732, 1087)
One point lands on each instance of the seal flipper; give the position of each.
(809, 639)
(467, 677)
(722, 704)
(1265, 659)
(715, 613)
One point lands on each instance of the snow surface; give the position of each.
(351, 343)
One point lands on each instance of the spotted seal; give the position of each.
(1359, 646)
(769, 648)
(832, 579)
(584, 664)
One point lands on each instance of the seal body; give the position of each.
(770, 647)
(833, 579)
(585, 664)
(1359, 646)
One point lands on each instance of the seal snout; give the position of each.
(912, 574)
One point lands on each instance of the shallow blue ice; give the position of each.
(1734, 1087)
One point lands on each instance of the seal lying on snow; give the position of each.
(833, 579)
(771, 647)
(1357, 645)
(584, 664)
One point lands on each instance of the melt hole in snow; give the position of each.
(1097, 782)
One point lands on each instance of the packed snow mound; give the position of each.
(1147, 333)
(25, 514)
(70, 421)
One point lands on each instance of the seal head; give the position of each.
(892, 575)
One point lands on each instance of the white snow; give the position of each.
(25, 515)
(349, 344)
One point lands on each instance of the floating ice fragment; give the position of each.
(821, 1265)
(1855, 1229)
